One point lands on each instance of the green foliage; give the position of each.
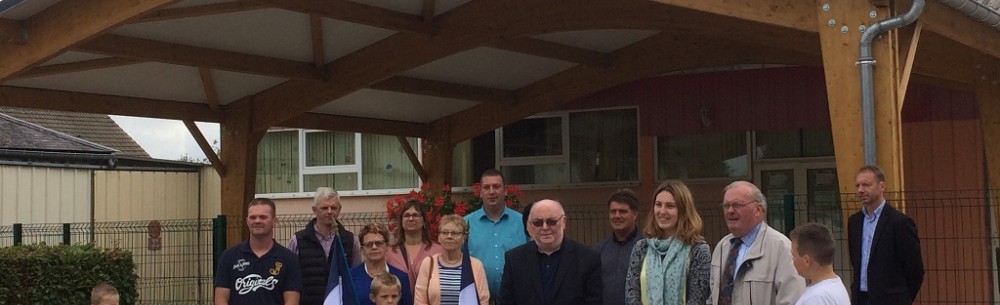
(40, 274)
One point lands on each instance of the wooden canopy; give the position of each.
(449, 70)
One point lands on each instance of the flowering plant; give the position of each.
(440, 202)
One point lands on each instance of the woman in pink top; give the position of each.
(413, 242)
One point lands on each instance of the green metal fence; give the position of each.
(956, 228)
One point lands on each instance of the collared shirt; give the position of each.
(745, 248)
(489, 240)
(253, 280)
(548, 265)
(615, 255)
(867, 235)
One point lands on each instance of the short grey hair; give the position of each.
(755, 192)
(325, 193)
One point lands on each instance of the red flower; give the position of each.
(477, 189)
(461, 208)
(438, 202)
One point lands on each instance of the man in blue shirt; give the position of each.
(258, 271)
(884, 247)
(494, 229)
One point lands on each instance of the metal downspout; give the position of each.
(866, 61)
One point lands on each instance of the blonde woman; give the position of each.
(670, 266)
(440, 278)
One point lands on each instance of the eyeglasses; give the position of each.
(374, 244)
(550, 222)
(411, 216)
(451, 234)
(728, 205)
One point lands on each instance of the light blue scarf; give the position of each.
(665, 271)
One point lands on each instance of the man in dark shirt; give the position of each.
(623, 209)
(550, 270)
(258, 271)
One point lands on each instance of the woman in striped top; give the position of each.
(440, 278)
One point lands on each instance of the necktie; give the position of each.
(726, 293)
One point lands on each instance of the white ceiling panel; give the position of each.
(27, 8)
(443, 6)
(491, 68)
(147, 80)
(72, 56)
(341, 38)
(267, 32)
(605, 41)
(231, 86)
(394, 106)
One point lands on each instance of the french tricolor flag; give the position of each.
(339, 288)
(467, 294)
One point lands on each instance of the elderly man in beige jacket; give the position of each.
(753, 264)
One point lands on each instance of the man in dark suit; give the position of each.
(885, 250)
(550, 270)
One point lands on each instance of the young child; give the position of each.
(812, 254)
(104, 294)
(385, 289)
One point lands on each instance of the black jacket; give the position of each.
(895, 266)
(314, 262)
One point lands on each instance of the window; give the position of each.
(571, 147)
(288, 159)
(717, 155)
(794, 143)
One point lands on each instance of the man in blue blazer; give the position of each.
(550, 270)
(885, 250)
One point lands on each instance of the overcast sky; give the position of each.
(166, 139)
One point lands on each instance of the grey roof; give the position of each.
(96, 128)
(20, 135)
(986, 11)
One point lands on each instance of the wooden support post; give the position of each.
(647, 174)
(838, 25)
(988, 100)
(239, 152)
(437, 153)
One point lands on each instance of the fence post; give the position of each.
(18, 234)
(218, 240)
(789, 207)
(65, 234)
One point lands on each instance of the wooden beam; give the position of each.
(316, 33)
(355, 12)
(554, 50)
(67, 23)
(428, 11)
(911, 55)
(794, 14)
(356, 124)
(208, 84)
(11, 32)
(239, 139)
(413, 158)
(951, 23)
(471, 25)
(428, 87)
(78, 66)
(205, 147)
(200, 10)
(640, 60)
(944, 59)
(151, 50)
(106, 104)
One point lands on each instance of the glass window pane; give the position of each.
(604, 146)
(278, 162)
(817, 142)
(717, 155)
(533, 138)
(340, 182)
(779, 144)
(329, 148)
(385, 164)
(535, 174)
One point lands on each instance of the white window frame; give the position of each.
(337, 169)
(564, 158)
